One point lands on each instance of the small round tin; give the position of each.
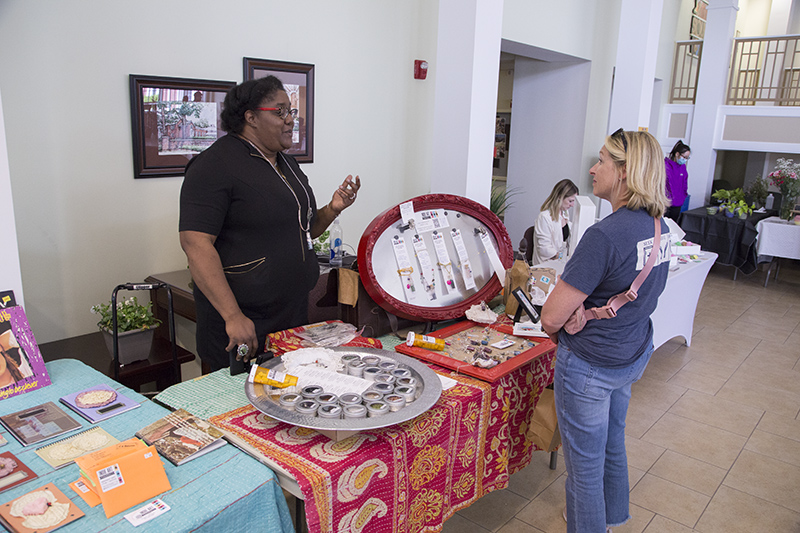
(327, 398)
(350, 398)
(356, 368)
(377, 408)
(395, 401)
(288, 400)
(383, 377)
(408, 393)
(371, 396)
(355, 411)
(388, 366)
(329, 411)
(401, 373)
(349, 358)
(306, 407)
(371, 360)
(312, 392)
(406, 382)
(383, 388)
(370, 372)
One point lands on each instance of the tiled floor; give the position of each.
(713, 430)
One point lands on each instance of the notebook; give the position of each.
(65, 451)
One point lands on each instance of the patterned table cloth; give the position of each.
(403, 479)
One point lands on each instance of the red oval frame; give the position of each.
(449, 202)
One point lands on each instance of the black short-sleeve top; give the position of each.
(232, 192)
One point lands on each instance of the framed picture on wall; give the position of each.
(173, 120)
(298, 80)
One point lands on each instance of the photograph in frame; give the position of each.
(173, 120)
(298, 80)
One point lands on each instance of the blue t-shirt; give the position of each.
(606, 261)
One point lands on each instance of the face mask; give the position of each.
(682, 160)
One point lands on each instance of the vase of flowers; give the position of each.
(135, 324)
(786, 177)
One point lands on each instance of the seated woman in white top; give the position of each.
(552, 228)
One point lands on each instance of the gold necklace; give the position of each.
(310, 213)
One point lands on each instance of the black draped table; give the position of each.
(732, 238)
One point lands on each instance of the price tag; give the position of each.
(445, 266)
(404, 268)
(463, 257)
(426, 272)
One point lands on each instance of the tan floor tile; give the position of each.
(717, 412)
(766, 478)
(780, 380)
(634, 476)
(494, 509)
(785, 426)
(775, 333)
(771, 316)
(641, 417)
(695, 439)
(743, 390)
(773, 356)
(459, 524)
(515, 526)
(669, 499)
(659, 524)
(663, 366)
(732, 345)
(697, 382)
(641, 454)
(709, 319)
(535, 477)
(688, 472)
(775, 446)
(544, 511)
(655, 393)
(640, 517)
(697, 366)
(733, 511)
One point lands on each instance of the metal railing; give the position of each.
(685, 70)
(765, 69)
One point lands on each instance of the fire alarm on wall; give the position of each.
(420, 69)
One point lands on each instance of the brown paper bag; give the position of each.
(544, 278)
(516, 276)
(348, 286)
(543, 429)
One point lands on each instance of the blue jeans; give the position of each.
(591, 403)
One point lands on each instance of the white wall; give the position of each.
(10, 275)
(84, 224)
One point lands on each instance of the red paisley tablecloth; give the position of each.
(413, 476)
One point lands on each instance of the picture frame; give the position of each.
(173, 120)
(298, 79)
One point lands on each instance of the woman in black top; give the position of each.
(247, 219)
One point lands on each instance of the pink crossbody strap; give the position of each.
(615, 302)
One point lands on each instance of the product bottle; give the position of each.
(770, 201)
(336, 244)
(273, 378)
(424, 341)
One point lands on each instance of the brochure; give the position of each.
(181, 436)
(98, 403)
(23, 369)
(39, 423)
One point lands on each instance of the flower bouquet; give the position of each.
(786, 177)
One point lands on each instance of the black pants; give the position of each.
(673, 212)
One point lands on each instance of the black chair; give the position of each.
(526, 245)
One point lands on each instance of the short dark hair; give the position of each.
(246, 96)
(679, 148)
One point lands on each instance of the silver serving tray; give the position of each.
(427, 395)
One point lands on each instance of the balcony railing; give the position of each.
(684, 71)
(765, 70)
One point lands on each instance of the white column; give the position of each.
(467, 65)
(9, 260)
(712, 84)
(637, 51)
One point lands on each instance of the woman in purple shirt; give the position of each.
(677, 178)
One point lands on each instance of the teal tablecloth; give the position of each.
(225, 490)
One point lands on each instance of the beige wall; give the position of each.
(84, 224)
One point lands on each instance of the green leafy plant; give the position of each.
(729, 198)
(130, 315)
(758, 191)
(741, 207)
(501, 199)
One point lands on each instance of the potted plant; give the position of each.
(743, 210)
(135, 324)
(758, 191)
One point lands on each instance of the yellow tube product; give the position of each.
(273, 378)
(424, 341)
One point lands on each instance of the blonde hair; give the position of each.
(643, 160)
(562, 189)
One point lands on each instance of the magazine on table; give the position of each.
(180, 436)
(13, 472)
(39, 423)
(64, 452)
(42, 510)
(98, 403)
(22, 367)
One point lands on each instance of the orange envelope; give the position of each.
(81, 488)
(124, 474)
